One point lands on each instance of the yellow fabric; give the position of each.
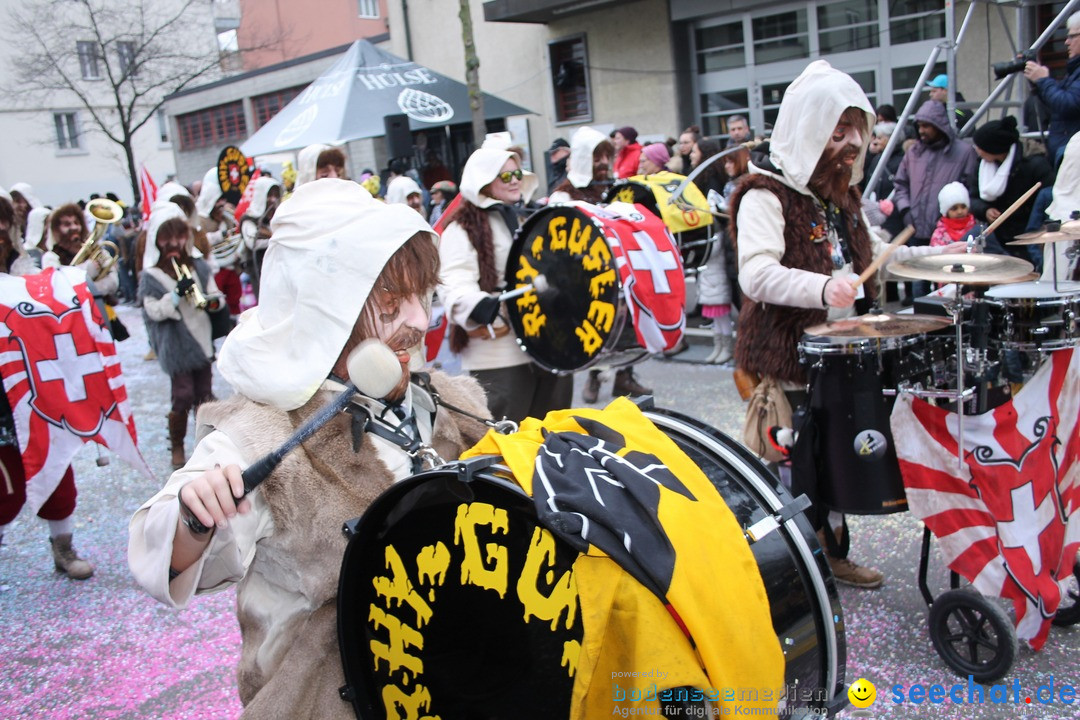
(716, 586)
(676, 216)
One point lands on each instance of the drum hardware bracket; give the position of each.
(924, 394)
(769, 523)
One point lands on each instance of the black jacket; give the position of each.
(1026, 171)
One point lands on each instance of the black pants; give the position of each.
(524, 391)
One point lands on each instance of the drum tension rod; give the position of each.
(767, 524)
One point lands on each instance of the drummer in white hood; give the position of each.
(801, 235)
(340, 267)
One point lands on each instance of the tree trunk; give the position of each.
(472, 76)
(133, 173)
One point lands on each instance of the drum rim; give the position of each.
(743, 461)
(836, 345)
(995, 291)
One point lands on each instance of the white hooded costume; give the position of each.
(307, 163)
(209, 194)
(580, 165)
(249, 224)
(1066, 202)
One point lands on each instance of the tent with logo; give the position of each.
(350, 100)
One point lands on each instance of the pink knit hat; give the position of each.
(658, 153)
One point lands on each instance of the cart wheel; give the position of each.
(1069, 610)
(972, 634)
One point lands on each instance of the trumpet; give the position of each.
(194, 295)
(105, 212)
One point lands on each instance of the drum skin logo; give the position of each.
(870, 445)
(406, 601)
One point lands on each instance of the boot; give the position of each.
(177, 431)
(727, 349)
(625, 384)
(67, 560)
(591, 391)
(847, 572)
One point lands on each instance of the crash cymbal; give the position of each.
(964, 268)
(1046, 236)
(880, 325)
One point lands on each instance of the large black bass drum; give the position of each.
(454, 602)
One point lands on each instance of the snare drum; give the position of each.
(616, 287)
(420, 616)
(1031, 316)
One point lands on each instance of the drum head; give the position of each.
(565, 328)
(1034, 290)
(430, 602)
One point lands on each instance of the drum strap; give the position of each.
(503, 426)
(406, 435)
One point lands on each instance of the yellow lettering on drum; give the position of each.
(598, 283)
(533, 321)
(399, 637)
(432, 562)
(557, 229)
(488, 572)
(579, 237)
(399, 589)
(563, 595)
(599, 256)
(395, 701)
(571, 652)
(537, 248)
(525, 272)
(602, 315)
(591, 342)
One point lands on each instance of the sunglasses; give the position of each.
(511, 175)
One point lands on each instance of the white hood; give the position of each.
(1066, 201)
(160, 212)
(330, 242)
(36, 223)
(208, 193)
(27, 192)
(306, 163)
(481, 169)
(580, 165)
(261, 188)
(400, 188)
(812, 105)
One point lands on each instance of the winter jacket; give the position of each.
(1025, 172)
(626, 163)
(1063, 98)
(926, 169)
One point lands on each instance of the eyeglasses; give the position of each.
(511, 175)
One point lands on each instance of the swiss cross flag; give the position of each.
(1007, 519)
(62, 377)
(651, 271)
(245, 199)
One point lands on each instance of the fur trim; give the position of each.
(177, 351)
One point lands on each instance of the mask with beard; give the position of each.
(832, 176)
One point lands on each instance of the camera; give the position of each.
(1003, 69)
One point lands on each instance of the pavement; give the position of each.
(102, 648)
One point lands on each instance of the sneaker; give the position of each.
(707, 325)
(848, 573)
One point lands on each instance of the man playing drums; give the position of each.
(340, 268)
(800, 234)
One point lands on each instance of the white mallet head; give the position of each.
(374, 368)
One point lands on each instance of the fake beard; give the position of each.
(832, 176)
(401, 342)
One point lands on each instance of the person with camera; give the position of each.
(1061, 96)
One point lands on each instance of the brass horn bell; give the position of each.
(105, 212)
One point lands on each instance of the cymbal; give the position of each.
(964, 268)
(881, 325)
(1039, 237)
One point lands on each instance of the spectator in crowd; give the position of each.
(886, 113)
(714, 281)
(1061, 96)
(627, 152)
(680, 159)
(738, 130)
(557, 156)
(882, 132)
(442, 194)
(654, 158)
(938, 89)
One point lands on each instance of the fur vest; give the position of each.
(292, 668)
(768, 335)
(177, 351)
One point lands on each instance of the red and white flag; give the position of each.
(651, 271)
(1007, 518)
(62, 377)
(245, 199)
(148, 192)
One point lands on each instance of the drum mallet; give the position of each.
(539, 284)
(872, 268)
(977, 243)
(374, 371)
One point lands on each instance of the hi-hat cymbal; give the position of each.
(1039, 237)
(964, 268)
(882, 325)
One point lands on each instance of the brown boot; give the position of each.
(67, 560)
(177, 431)
(848, 573)
(625, 384)
(591, 391)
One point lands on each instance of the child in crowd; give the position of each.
(956, 223)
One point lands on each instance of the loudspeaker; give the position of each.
(398, 137)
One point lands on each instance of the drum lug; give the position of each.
(348, 529)
(769, 523)
(465, 469)
(347, 693)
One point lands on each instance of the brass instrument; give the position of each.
(105, 212)
(194, 295)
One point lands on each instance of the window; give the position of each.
(717, 107)
(267, 106)
(904, 79)
(163, 127)
(88, 60)
(367, 8)
(569, 79)
(720, 47)
(67, 130)
(915, 20)
(782, 36)
(212, 126)
(846, 26)
(125, 53)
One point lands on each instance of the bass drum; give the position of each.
(426, 624)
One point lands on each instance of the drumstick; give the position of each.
(899, 240)
(1012, 208)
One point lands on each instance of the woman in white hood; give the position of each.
(474, 250)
